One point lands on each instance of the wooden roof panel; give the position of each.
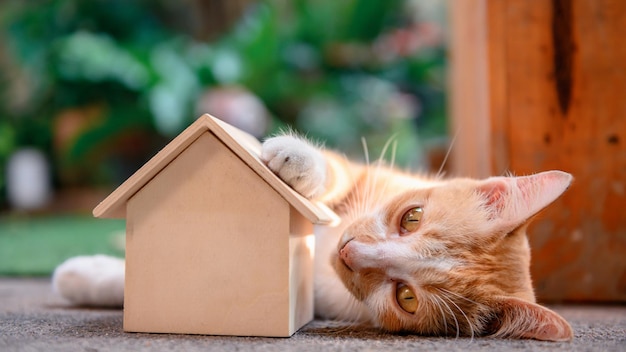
(245, 146)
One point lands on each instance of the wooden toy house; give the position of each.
(215, 242)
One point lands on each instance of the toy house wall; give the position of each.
(208, 249)
(301, 253)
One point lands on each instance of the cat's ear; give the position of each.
(516, 318)
(511, 201)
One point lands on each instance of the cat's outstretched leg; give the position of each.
(91, 281)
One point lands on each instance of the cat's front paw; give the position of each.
(298, 163)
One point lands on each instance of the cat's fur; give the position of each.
(467, 262)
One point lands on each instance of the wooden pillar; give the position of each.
(540, 85)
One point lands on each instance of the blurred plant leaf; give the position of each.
(95, 58)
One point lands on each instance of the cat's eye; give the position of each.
(406, 298)
(411, 219)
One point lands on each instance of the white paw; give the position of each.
(297, 163)
(91, 280)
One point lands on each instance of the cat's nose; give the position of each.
(346, 258)
(345, 238)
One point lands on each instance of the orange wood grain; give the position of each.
(468, 76)
(555, 100)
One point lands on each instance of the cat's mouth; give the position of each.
(344, 242)
(343, 254)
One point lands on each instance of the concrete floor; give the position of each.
(32, 318)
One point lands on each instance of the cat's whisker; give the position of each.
(354, 205)
(354, 307)
(365, 195)
(440, 173)
(348, 326)
(374, 191)
(435, 301)
(370, 196)
(456, 322)
(356, 201)
(478, 304)
(394, 150)
(353, 321)
(459, 296)
(392, 141)
(469, 322)
(365, 151)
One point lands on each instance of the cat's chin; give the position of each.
(346, 275)
(340, 266)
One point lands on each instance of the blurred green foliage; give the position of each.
(337, 70)
(35, 246)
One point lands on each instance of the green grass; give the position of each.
(34, 246)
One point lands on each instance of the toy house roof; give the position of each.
(246, 147)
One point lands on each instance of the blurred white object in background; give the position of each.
(237, 106)
(28, 179)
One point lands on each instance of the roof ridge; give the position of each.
(242, 144)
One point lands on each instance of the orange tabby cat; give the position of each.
(412, 254)
(423, 255)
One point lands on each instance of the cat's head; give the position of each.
(452, 257)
